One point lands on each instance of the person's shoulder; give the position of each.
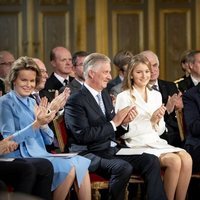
(193, 90)
(76, 97)
(167, 83)
(6, 99)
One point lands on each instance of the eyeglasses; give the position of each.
(80, 64)
(43, 71)
(7, 63)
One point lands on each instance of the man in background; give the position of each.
(57, 102)
(61, 61)
(194, 77)
(6, 60)
(120, 60)
(77, 61)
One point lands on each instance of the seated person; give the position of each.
(18, 110)
(120, 60)
(93, 127)
(191, 101)
(148, 124)
(29, 176)
(57, 102)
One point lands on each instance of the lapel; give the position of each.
(141, 103)
(91, 101)
(198, 91)
(94, 105)
(75, 84)
(163, 91)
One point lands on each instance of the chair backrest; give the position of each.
(181, 125)
(61, 131)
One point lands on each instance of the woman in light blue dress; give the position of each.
(18, 111)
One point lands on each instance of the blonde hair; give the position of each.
(129, 80)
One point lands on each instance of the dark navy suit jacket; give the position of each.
(191, 100)
(52, 84)
(90, 132)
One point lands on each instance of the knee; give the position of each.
(48, 167)
(151, 160)
(29, 171)
(172, 161)
(126, 169)
(186, 160)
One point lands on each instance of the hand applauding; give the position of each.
(43, 114)
(7, 145)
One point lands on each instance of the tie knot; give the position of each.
(155, 87)
(65, 81)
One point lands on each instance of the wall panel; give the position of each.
(175, 38)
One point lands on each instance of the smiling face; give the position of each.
(100, 75)
(141, 75)
(25, 82)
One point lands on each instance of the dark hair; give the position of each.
(185, 56)
(78, 54)
(122, 58)
(191, 56)
(52, 54)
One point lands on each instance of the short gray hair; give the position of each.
(92, 61)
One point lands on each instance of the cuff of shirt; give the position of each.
(113, 125)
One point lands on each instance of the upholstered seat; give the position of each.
(97, 182)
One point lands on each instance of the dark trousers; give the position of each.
(194, 187)
(120, 168)
(30, 175)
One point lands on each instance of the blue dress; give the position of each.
(16, 118)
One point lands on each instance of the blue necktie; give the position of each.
(100, 102)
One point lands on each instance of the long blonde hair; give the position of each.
(134, 62)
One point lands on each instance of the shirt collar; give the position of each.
(60, 78)
(195, 81)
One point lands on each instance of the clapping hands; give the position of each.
(125, 116)
(7, 145)
(157, 115)
(43, 114)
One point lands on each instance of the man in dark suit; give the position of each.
(31, 176)
(61, 60)
(93, 126)
(77, 61)
(6, 60)
(191, 101)
(194, 77)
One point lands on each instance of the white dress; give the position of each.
(141, 134)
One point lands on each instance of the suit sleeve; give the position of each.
(86, 126)
(192, 113)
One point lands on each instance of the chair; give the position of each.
(61, 132)
(181, 126)
(97, 182)
(182, 132)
